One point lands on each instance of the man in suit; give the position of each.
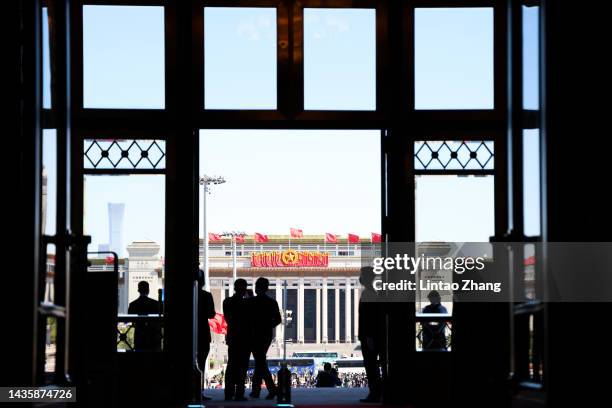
(235, 310)
(206, 310)
(265, 317)
(370, 333)
(147, 335)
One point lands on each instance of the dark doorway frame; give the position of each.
(184, 114)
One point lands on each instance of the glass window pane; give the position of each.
(531, 182)
(531, 62)
(453, 58)
(120, 215)
(123, 57)
(49, 181)
(454, 208)
(339, 59)
(239, 58)
(46, 60)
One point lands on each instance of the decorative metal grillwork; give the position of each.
(124, 154)
(433, 335)
(454, 155)
(148, 327)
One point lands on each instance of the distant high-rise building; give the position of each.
(103, 248)
(116, 211)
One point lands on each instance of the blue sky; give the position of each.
(325, 181)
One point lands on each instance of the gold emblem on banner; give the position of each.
(289, 257)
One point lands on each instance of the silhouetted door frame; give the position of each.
(179, 123)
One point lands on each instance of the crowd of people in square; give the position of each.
(346, 380)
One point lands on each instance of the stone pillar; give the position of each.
(221, 297)
(279, 300)
(318, 317)
(348, 333)
(324, 336)
(357, 291)
(337, 314)
(300, 312)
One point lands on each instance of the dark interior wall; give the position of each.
(576, 145)
(21, 185)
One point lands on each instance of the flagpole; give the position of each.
(234, 267)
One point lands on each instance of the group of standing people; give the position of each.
(250, 326)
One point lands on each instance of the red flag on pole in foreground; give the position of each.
(240, 239)
(331, 238)
(353, 239)
(261, 238)
(296, 233)
(214, 237)
(109, 260)
(376, 238)
(218, 324)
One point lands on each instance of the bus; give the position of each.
(350, 365)
(319, 357)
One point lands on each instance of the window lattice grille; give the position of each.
(111, 154)
(454, 155)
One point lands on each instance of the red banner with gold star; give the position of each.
(289, 258)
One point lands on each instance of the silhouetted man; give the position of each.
(147, 335)
(206, 310)
(434, 337)
(265, 317)
(328, 377)
(235, 309)
(370, 333)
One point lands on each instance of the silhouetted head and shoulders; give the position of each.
(370, 312)
(206, 309)
(264, 310)
(144, 305)
(261, 293)
(235, 306)
(366, 279)
(435, 305)
(205, 299)
(328, 377)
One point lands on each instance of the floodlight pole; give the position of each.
(205, 182)
(233, 235)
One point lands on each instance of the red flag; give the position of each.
(218, 324)
(353, 239)
(240, 239)
(214, 237)
(261, 238)
(331, 238)
(296, 233)
(109, 260)
(376, 238)
(530, 261)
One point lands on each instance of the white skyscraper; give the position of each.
(116, 211)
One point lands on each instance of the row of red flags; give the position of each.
(297, 233)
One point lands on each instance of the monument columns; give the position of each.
(324, 316)
(300, 314)
(348, 334)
